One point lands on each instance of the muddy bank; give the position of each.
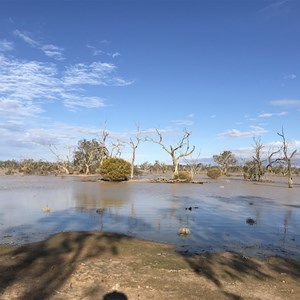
(93, 265)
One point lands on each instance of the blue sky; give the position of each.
(227, 71)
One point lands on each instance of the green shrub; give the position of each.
(214, 173)
(183, 176)
(115, 169)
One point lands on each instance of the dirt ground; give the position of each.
(93, 265)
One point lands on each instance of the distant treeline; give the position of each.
(41, 167)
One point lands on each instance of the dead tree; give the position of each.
(102, 142)
(63, 163)
(271, 160)
(116, 149)
(134, 143)
(258, 163)
(193, 164)
(287, 158)
(183, 146)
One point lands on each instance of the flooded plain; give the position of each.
(227, 214)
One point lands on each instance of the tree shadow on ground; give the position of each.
(45, 266)
(230, 266)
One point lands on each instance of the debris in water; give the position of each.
(183, 231)
(46, 210)
(250, 221)
(100, 211)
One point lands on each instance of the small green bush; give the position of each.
(214, 173)
(183, 176)
(115, 169)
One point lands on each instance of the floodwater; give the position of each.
(226, 214)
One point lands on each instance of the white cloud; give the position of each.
(285, 102)
(53, 52)
(269, 115)
(49, 50)
(26, 85)
(185, 122)
(96, 73)
(26, 38)
(290, 76)
(15, 109)
(116, 54)
(234, 133)
(27, 80)
(6, 46)
(73, 102)
(97, 51)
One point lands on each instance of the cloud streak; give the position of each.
(49, 50)
(290, 77)
(6, 46)
(276, 8)
(286, 102)
(234, 133)
(96, 73)
(270, 115)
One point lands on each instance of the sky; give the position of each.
(226, 71)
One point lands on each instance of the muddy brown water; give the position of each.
(222, 215)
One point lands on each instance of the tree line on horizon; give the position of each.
(89, 155)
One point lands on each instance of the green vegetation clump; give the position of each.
(183, 176)
(214, 173)
(115, 169)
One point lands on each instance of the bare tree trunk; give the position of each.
(134, 143)
(65, 169)
(287, 159)
(87, 169)
(183, 146)
(175, 165)
(290, 179)
(132, 162)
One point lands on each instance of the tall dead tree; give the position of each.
(134, 143)
(183, 146)
(287, 158)
(103, 149)
(272, 160)
(258, 163)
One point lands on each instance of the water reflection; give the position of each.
(241, 216)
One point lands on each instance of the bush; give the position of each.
(183, 176)
(115, 169)
(214, 173)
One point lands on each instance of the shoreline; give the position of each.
(91, 265)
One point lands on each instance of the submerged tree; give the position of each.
(225, 160)
(287, 158)
(89, 155)
(259, 169)
(182, 149)
(272, 160)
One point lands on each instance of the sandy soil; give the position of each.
(93, 265)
